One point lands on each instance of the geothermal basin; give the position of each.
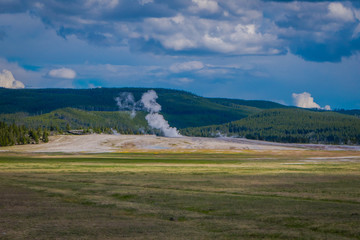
(97, 143)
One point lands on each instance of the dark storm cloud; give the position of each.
(318, 30)
(340, 44)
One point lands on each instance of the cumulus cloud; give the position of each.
(65, 73)
(304, 100)
(186, 66)
(181, 81)
(7, 80)
(338, 11)
(143, 2)
(181, 33)
(356, 32)
(207, 5)
(185, 80)
(315, 30)
(102, 3)
(327, 107)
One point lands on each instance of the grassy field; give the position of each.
(249, 195)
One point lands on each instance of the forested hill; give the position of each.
(251, 103)
(96, 109)
(353, 112)
(288, 125)
(182, 109)
(98, 121)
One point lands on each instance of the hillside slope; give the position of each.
(353, 112)
(182, 109)
(194, 115)
(261, 104)
(288, 125)
(61, 119)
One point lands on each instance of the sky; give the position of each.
(304, 53)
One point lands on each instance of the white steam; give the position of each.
(126, 101)
(148, 99)
(7, 80)
(157, 121)
(115, 132)
(304, 100)
(154, 119)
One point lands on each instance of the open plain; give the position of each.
(146, 187)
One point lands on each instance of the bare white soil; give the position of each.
(97, 143)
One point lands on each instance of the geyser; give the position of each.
(126, 101)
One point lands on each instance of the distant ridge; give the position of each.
(193, 115)
(182, 109)
(262, 104)
(288, 125)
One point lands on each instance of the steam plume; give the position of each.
(154, 119)
(148, 99)
(126, 101)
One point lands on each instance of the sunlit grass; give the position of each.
(194, 195)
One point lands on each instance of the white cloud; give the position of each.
(304, 100)
(327, 107)
(229, 37)
(121, 75)
(338, 11)
(208, 5)
(186, 66)
(178, 42)
(65, 73)
(217, 44)
(181, 81)
(250, 27)
(7, 80)
(144, 2)
(39, 5)
(357, 14)
(356, 32)
(102, 3)
(185, 80)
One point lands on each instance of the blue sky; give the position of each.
(247, 49)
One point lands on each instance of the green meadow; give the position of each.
(248, 195)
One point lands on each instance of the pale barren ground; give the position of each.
(97, 143)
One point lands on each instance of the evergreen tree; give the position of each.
(45, 136)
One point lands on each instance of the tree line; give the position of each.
(12, 134)
(278, 125)
(290, 126)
